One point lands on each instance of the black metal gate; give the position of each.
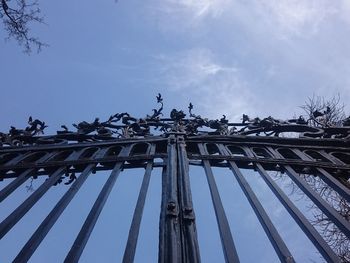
(316, 161)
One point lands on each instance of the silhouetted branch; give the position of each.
(323, 112)
(16, 16)
(335, 238)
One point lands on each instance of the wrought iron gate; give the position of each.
(173, 144)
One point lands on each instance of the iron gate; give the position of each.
(173, 144)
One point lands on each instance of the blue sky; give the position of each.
(226, 57)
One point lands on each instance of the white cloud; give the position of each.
(345, 10)
(295, 17)
(191, 67)
(184, 15)
(283, 18)
(214, 88)
(195, 8)
(282, 52)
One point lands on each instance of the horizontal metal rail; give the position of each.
(83, 161)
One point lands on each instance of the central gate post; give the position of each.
(178, 241)
(190, 249)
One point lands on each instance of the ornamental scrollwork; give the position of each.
(123, 126)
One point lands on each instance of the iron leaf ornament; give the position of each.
(123, 125)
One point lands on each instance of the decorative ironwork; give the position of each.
(316, 162)
(123, 125)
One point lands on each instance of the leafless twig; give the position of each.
(16, 16)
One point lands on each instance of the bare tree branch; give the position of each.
(335, 238)
(322, 112)
(16, 16)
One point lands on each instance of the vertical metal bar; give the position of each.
(272, 233)
(171, 250)
(331, 157)
(329, 211)
(38, 236)
(11, 187)
(41, 232)
(22, 209)
(17, 159)
(89, 224)
(162, 216)
(130, 249)
(190, 248)
(228, 246)
(341, 189)
(320, 244)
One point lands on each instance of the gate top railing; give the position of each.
(125, 126)
(314, 158)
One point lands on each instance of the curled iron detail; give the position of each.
(123, 125)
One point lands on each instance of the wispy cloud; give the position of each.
(284, 18)
(345, 10)
(280, 18)
(295, 17)
(215, 88)
(255, 53)
(184, 15)
(196, 8)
